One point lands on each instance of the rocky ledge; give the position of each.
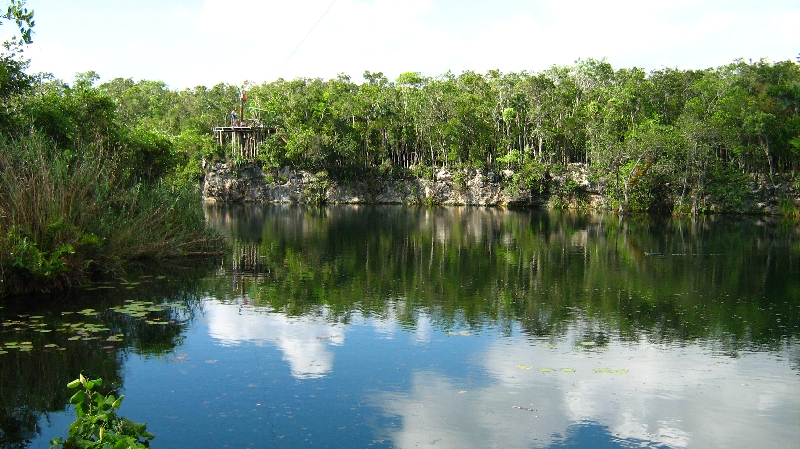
(249, 183)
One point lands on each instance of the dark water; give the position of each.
(382, 327)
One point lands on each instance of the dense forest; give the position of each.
(85, 163)
(695, 136)
(83, 190)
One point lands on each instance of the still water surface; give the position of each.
(383, 327)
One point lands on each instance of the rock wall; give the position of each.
(249, 183)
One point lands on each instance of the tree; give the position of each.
(13, 79)
(23, 18)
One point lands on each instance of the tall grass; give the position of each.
(66, 214)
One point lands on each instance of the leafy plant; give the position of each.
(97, 424)
(28, 259)
(787, 207)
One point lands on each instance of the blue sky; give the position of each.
(203, 42)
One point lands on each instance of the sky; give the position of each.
(187, 43)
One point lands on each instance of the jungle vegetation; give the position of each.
(98, 173)
(82, 191)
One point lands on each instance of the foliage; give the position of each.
(97, 424)
(23, 18)
(67, 214)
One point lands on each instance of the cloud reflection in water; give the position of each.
(304, 341)
(669, 397)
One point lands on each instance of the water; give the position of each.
(395, 327)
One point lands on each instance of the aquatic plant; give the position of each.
(97, 424)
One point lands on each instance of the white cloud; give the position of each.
(59, 59)
(235, 40)
(303, 341)
(679, 397)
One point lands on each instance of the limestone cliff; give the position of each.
(569, 189)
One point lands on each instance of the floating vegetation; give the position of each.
(545, 370)
(156, 322)
(52, 332)
(523, 367)
(523, 408)
(140, 309)
(588, 343)
(611, 371)
(326, 337)
(567, 370)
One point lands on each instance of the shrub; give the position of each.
(68, 213)
(97, 424)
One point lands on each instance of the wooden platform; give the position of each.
(241, 138)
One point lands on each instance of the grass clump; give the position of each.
(68, 214)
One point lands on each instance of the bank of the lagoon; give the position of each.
(461, 327)
(570, 187)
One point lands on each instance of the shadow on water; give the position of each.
(733, 280)
(46, 341)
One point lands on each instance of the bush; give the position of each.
(97, 424)
(67, 214)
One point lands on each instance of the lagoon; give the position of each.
(455, 327)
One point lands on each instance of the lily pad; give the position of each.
(611, 371)
(545, 370)
(461, 333)
(523, 367)
(567, 370)
(158, 322)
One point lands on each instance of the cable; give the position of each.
(304, 39)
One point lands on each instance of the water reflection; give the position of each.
(47, 341)
(734, 280)
(656, 333)
(674, 398)
(304, 341)
(452, 327)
